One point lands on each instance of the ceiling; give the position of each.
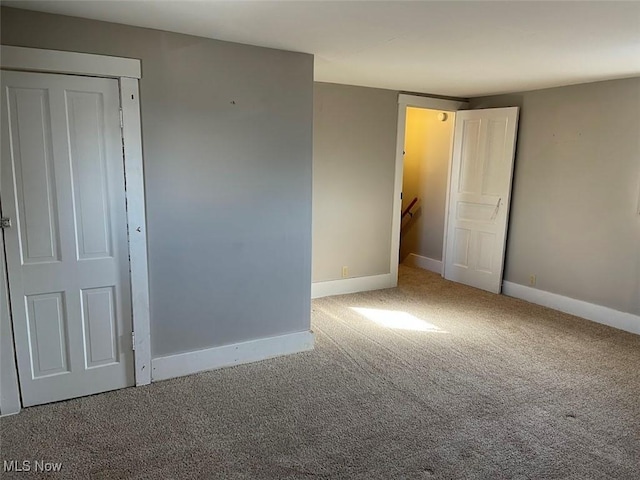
(453, 48)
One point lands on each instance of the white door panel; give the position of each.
(480, 192)
(63, 186)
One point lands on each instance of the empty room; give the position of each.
(288, 240)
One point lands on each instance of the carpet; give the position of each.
(430, 380)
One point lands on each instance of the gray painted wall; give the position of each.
(228, 186)
(353, 170)
(574, 221)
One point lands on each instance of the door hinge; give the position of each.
(133, 340)
(121, 119)
(6, 222)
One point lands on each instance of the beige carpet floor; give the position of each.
(429, 380)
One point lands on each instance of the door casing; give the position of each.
(9, 390)
(405, 101)
(127, 71)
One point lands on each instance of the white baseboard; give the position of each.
(187, 363)
(12, 412)
(353, 285)
(597, 313)
(425, 263)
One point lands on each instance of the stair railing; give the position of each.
(407, 211)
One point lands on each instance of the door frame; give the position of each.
(128, 72)
(9, 389)
(431, 103)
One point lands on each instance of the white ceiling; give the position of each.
(453, 48)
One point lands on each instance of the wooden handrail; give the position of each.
(407, 211)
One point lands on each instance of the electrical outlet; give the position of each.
(532, 280)
(345, 272)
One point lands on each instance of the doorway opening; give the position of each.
(412, 105)
(427, 155)
(472, 224)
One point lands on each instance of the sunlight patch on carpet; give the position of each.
(397, 319)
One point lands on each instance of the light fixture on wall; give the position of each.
(442, 116)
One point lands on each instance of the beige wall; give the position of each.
(353, 175)
(426, 164)
(574, 220)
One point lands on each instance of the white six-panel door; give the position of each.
(62, 185)
(479, 196)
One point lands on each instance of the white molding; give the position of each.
(596, 313)
(56, 61)
(396, 216)
(424, 263)
(227, 355)
(9, 390)
(432, 103)
(354, 285)
(448, 195)
(137, 226)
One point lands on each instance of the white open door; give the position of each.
(479, 196)
(62, 186)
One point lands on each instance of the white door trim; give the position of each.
(56, 61)
(127, 71)
(404, 101)
(137, 227)
(431, 103)
(9, 390)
